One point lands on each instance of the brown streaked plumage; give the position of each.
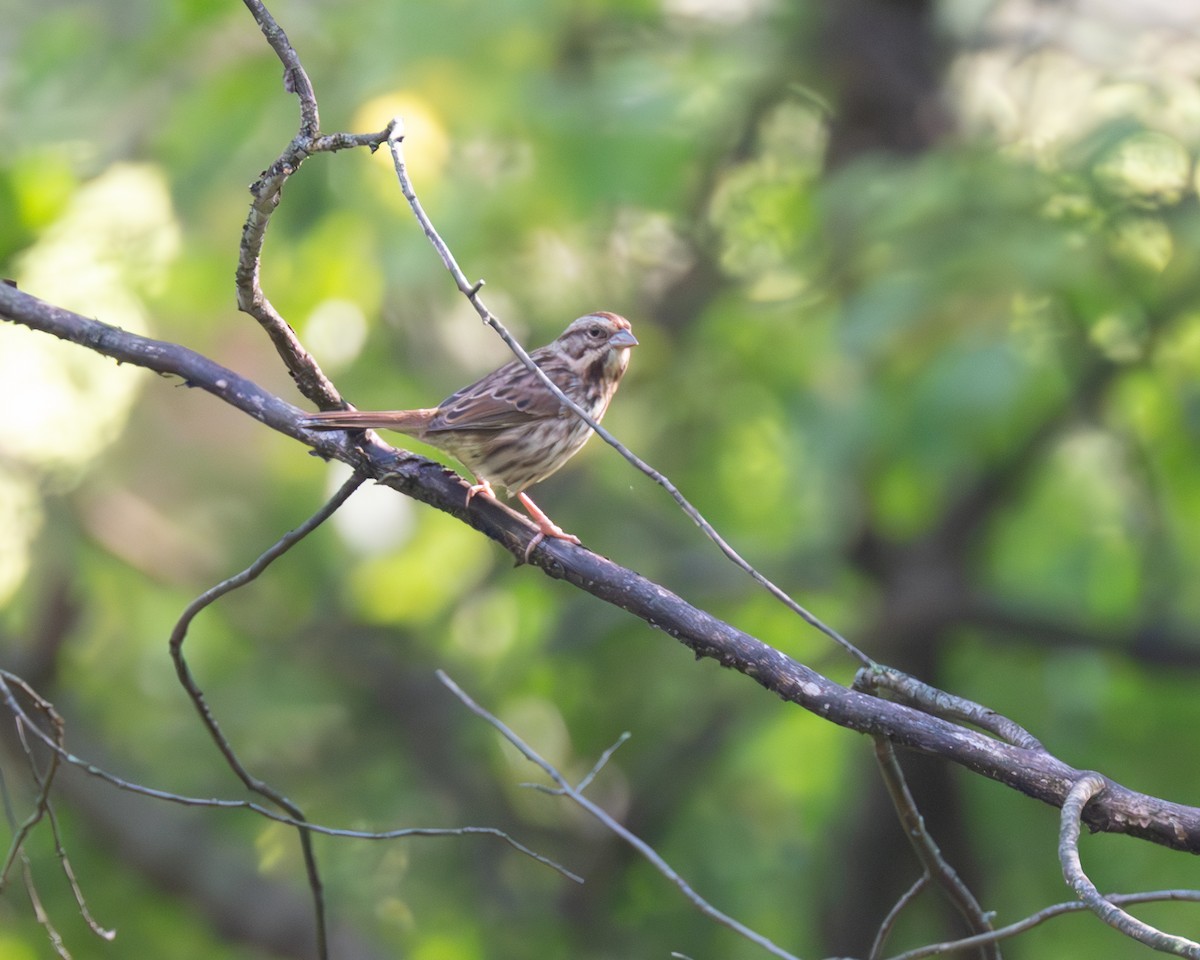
(507, 428)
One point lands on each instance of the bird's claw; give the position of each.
(482, 487)
(556, 531)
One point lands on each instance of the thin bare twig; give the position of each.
(295, 79)
(564, 788)
(295, 814)
(16, 852)
(600, 764)
(39, 911)
(104, 933)
(42, 779)
(471, 292)
(889, 922)
(1086, 787)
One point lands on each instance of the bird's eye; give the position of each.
(595, 332)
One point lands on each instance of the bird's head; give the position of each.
(599, 340)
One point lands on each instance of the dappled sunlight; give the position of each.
(73, 402)
(1147, 168)
(647, 252)
(485, 628)
(716, 12)
(461, 338)
(335, 332)
(1122, 337)
(1051, 73)
(111, 245)
(764, 209)
(1079, 536)
(1145, 242)
(426, 141)
(375, 520)
(409, 586)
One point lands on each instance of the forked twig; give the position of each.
(43, 809)
(7, 680)
(575, 794)
(936, 869)
(266, 193)
(471, 292)
(39, 910)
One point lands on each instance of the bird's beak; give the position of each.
(621, 339)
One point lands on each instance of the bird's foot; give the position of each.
(546, 526)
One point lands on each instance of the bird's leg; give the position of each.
(546, 526)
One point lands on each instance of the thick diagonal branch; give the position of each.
(1035, 773)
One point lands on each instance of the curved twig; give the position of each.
(194, 691)
(1082, 791)
(939, 703)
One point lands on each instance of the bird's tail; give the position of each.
(411, 422)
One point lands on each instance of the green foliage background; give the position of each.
(947, 398)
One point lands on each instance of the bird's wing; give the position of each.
(509, 397)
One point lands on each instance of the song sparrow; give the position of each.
(508, 429)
